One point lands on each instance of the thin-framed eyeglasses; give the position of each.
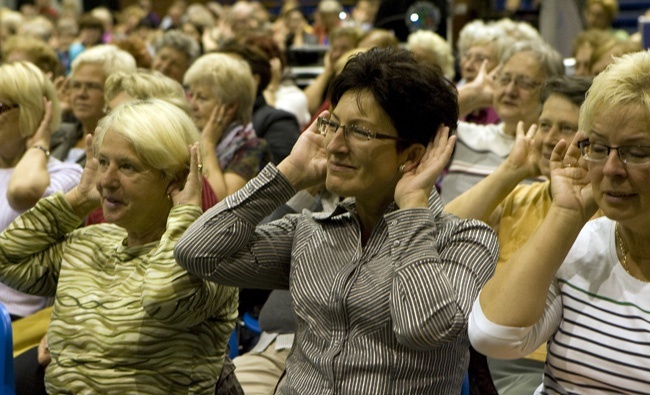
(351, 132)
(628, 154)
(521, 81)
(7, 107)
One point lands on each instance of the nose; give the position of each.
(614, 166)
(108, 178)
(337, 142)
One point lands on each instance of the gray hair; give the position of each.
(179, 41)
(550, 60)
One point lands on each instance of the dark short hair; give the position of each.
(572, 88)
(416, 96)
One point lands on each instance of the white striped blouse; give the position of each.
(389, 317)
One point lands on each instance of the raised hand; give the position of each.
(570, 183)
(84, 198)
(525, 153)
(190, 193)
(219, 120)
(44, 132)
(306, 164)
(418, 179)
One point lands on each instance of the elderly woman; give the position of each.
(85, 94)
(29, 110)
(384, 283)
(222, 91)
(126, 316)
(581, 286)
(514, 93)
(175, 52)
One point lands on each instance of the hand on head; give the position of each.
(419, 176)
(306, 164)
(190, 192)
(570, 183)
(43, 134)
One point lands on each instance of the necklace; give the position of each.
(621, 246)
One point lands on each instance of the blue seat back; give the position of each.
(7, 379)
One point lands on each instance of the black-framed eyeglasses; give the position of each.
(351, 132)
(7, 107)
(522, 82)
(628, 154)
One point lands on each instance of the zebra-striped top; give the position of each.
(389, 317)
(596, 321)
(125, 319)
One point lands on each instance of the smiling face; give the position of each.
(203, 102)
(133, 195)
(514, 102)
(621, 190)
(559, 120)
(367, 170)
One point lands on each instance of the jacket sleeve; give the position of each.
(32, 247)
(171, 294)
(439, 270)
(227, 245)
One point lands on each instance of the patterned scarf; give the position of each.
(234, 138)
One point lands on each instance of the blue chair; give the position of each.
(465, 388)
(246, 321)
(7, 379)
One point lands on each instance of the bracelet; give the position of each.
(45, 150)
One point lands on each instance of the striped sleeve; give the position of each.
(31, 248)
(172, 295)
(225, 245)
(438, 273)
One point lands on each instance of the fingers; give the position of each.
(558, 154)
(531, 131)
(313, 128)
(90, 153)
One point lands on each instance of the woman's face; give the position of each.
(559, 120)
(133, 195)
(516, 97)
(203, 102)
(86, 88)
(367, 170)
(621, 190)
(472, 59)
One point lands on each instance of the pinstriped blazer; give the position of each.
(389, 317)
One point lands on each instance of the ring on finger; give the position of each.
(200, 167)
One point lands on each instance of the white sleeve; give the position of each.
(507, 342)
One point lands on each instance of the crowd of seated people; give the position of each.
(394, 202)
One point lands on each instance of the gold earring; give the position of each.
(401, 167)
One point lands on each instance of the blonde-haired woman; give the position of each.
(222, 91)
(126, 318)
(29, 111)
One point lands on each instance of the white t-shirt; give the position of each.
(596, 322)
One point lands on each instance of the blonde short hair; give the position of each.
(159, 131)
(146, 84)
(25, 85)
(231, 81)
(436, 46)
(111, 58)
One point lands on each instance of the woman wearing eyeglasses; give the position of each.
(584, 287)
(381, 286)
(514, 93)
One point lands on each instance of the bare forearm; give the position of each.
(483, 198)
(29, 180)
(516, 295)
